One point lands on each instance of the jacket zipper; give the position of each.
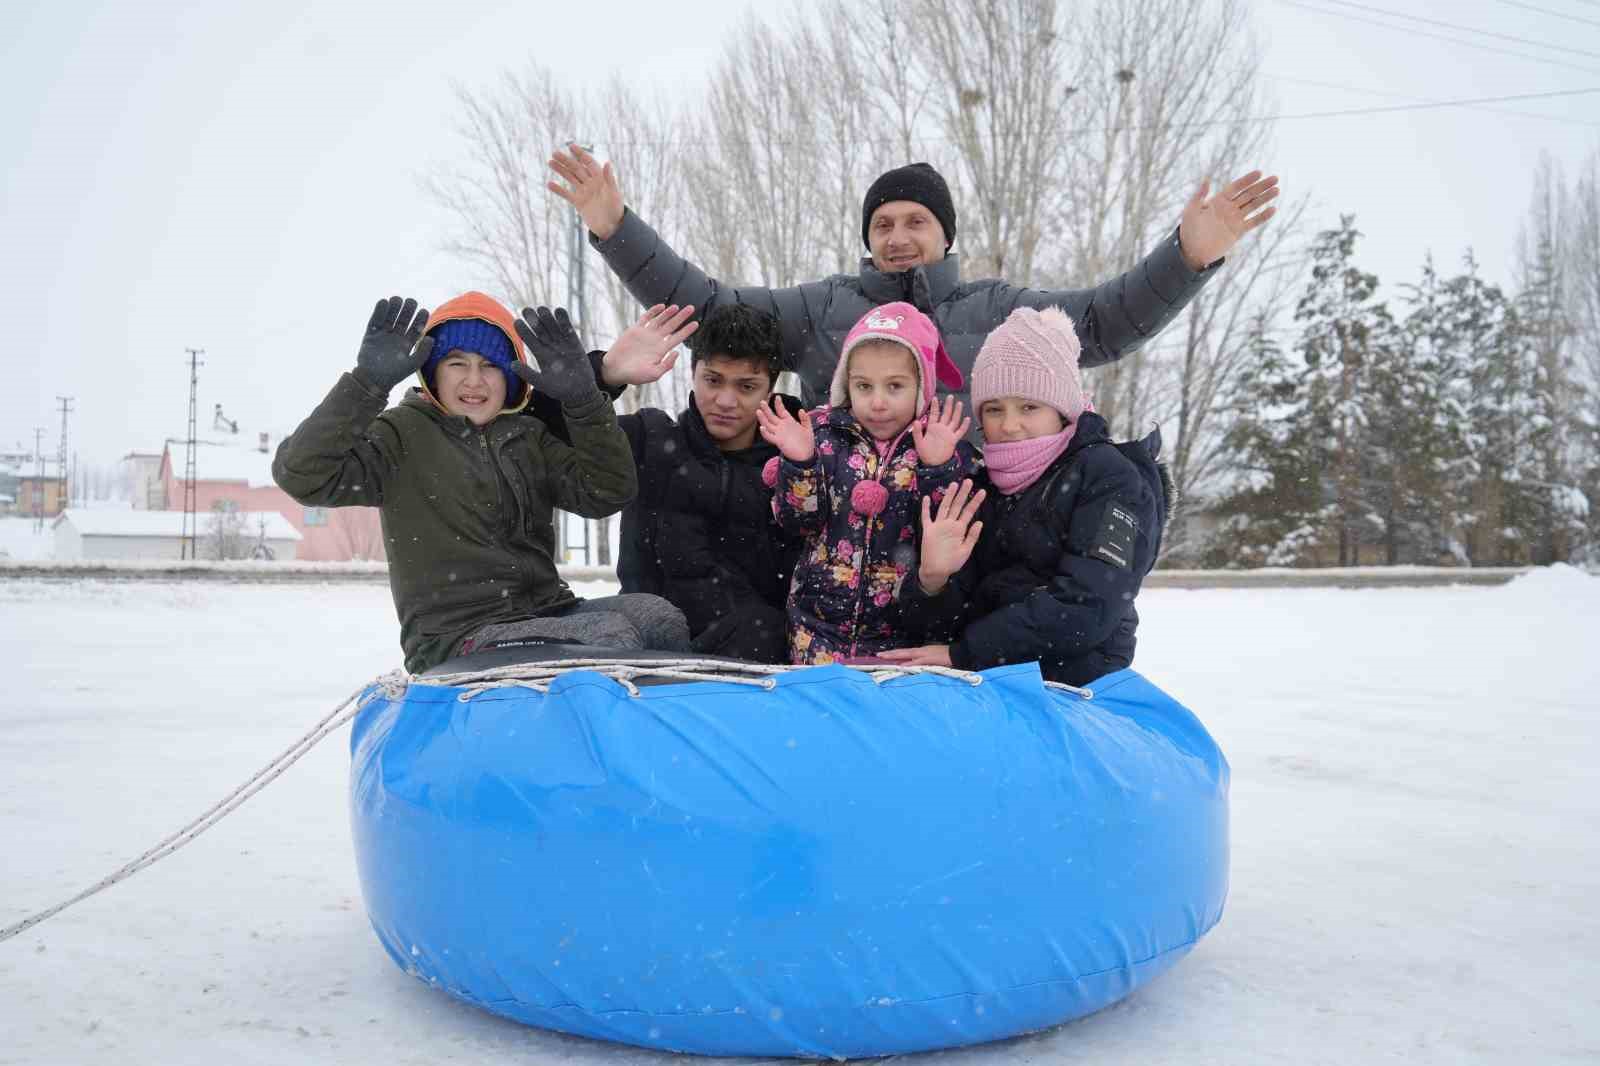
(885, 463)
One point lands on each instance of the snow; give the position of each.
(19, 541)
(1414, 837)
(129, 523)
(230, 460)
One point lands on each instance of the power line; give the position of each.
(1342, 113)
(1547, 11)
(1423, 99)
(1441, 37)
(1463, 29)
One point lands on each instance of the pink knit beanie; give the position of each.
(1032, 354)
(902, 324)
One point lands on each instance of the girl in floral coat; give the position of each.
(851, 477)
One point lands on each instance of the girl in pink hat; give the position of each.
(1043, 563)
(852, 476)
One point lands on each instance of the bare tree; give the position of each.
(509, 230)
(1002, 100)
(225, 533)
(1168, 93)
(1199, 376)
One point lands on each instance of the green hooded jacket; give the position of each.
(467, 512)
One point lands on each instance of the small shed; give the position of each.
(158, 535)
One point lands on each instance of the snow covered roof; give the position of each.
(118, 523)
(232, 460)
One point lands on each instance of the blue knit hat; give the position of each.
(477, 336)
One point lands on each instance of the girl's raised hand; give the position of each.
(948, 536)
(794, 437)
(936, 441)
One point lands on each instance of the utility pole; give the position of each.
(38, 481)
(186, 547)
(61, 455)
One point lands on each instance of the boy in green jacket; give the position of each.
(466, 481)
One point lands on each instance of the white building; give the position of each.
(158, 535)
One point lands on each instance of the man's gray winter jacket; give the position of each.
(1112, 319)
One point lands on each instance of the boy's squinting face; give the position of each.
(468, 385)
(883, 387)
(1011, 418)
(727, 392)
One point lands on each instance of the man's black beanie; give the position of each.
(919, 183)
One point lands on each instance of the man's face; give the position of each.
(902, 235)
(468, 385)
(727, 391)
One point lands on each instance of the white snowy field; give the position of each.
(1415, 860)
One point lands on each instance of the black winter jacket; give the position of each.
(1058, 565)
(701, 531)
(1111, 320)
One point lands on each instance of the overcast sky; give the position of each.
(245, 178)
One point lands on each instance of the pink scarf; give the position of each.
(1014, 465)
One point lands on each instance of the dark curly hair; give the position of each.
(739, 331)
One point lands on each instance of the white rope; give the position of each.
(393, 684)
(536, 676)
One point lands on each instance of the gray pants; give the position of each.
(633, 621)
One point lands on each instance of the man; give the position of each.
(908, 223)
(701, 532)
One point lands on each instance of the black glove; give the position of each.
(394, 346)
(564, 373)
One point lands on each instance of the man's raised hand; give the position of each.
(1212, 225)
(794, 437)
(936, 442)
(393, 347)
(948, 536)
(590, 187)
(648, 348)
(564, 372)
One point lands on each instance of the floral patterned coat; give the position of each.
(858, 504)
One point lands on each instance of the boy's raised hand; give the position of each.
(591, 188)
(948, 536)
(795, 437)
(393, 347)
(648, 348)
(936, 441)
(564, 372)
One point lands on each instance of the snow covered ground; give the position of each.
(1415, 863)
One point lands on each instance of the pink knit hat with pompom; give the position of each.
(1034, 355)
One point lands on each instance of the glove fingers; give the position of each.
(392, 312)
(380, 315)
(547, 324)
(418, 324)
(423, 350)
(402, 321)
(525, 328)
(563, 321)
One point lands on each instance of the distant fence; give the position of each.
(378, 573)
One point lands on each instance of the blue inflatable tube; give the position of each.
(832, 868)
